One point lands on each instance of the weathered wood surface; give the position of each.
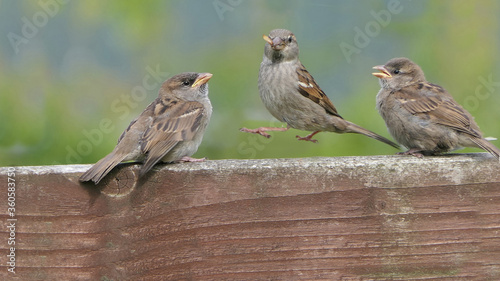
(345, 218)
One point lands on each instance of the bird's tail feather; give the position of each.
(353, 128)
(102, 168)
(488, 146)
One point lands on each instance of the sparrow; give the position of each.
(292, 95)
(170, 129)
(423, 116)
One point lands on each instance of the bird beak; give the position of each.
(202, 79)
(267, 39)
(276, 43)
(384, 73)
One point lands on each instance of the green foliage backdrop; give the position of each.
(73, 74)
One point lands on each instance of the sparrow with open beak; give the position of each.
(170, 129)
(292, 96)
(422, 116)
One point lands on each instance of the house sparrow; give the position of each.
(422, 116)
(291, 95)
(170, 129)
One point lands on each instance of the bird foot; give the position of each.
(258, 131)
(190, 159)
(262, 130)
(308, 137)
(414, 152)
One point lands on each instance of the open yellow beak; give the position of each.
(384, 73)
(267, 39)
(202, 79)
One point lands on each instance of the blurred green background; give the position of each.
(73, 74)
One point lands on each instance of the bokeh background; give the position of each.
(73, 74)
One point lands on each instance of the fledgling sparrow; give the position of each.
(423, 116)
(292, 96)
(170, 129)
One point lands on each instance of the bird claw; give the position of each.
(258, 131)
(412, 152)
(306, 138)
(190, 159)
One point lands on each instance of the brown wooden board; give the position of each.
(345, 218)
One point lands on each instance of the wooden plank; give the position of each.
(345, 218)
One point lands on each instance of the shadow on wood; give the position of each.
(345, 218)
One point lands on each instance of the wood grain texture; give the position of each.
(345, 218)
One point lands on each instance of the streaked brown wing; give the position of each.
(173, 122)
(311, 90)
(134, 122)
(440, 107)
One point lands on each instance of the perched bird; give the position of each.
(170, 129)
(422, 116)
(292, 96)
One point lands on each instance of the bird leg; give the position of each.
(262, 130)
(308, 137)
(414, 152)
(190, 159)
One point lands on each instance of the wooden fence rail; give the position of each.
(344, 218)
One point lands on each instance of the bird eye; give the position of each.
(396, 71)
(186, 83)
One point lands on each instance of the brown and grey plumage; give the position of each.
(170, 129)
(423, 116)
(292, 95)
